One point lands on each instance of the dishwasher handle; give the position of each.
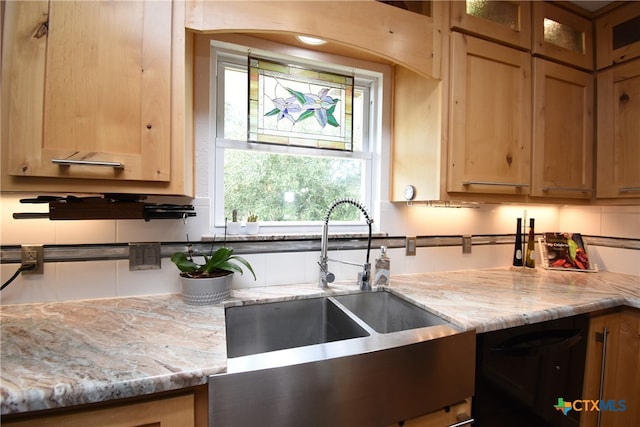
(466, 422)
(539, 342)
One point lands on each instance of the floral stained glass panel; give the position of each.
(292, 105)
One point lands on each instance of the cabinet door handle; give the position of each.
(628, 189)
(535, 343)
(582, 190)
(602, 337)
(498, 184)
(66, 162)
(466, 422)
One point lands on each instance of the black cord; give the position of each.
(20, 270)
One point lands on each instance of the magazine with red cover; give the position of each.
(565, 251)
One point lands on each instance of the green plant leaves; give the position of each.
(183, 262)
(221, 259)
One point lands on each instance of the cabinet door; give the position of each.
(96, 89)
(618, 153)
(619, 381)
(168, 412)
(490, 118)
(416, 136)
(562, 35)
(618, 35)
(599, 348)
(505, 21)
(628, 373)
(562, 131)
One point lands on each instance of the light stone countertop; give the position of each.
(63, 354)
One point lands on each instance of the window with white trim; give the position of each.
(287, 185)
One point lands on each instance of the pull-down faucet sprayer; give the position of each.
(326, 277)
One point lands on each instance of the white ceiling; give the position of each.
(591, 5)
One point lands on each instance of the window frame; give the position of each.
(224, 53)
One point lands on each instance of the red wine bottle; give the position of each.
(517, 250)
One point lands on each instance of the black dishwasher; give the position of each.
(521, 373)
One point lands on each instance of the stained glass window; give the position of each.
(294, 105)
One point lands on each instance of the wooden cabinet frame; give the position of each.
(542, 10)
(606, 54)
(520, 37)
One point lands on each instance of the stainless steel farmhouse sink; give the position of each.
(260, 328)
(362, 359)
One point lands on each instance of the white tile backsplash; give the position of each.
(23, 231)
(84, 280)
(96, 279)
(621, 223)
(619, 260)
(99, 231)
(28, 288)
(146, 282)
(167, 230)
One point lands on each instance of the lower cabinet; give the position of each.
(455, 414)
(174, 411)
(612, 371)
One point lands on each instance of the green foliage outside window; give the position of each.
(280, 187)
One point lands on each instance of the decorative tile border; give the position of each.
(283, 243)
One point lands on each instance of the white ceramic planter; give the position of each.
(253, 227)
(233, 227)
(206, 291)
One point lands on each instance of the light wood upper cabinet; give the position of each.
(503, 21)
(96, 82)
(562, 35)
(563, 144)
(618, 152)
(416, 147)
(618, 35)
(490, 118)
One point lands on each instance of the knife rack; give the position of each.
(92, 208)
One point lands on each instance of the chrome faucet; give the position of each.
(326, 277)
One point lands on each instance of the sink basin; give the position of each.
(259, 328)
(386, 312)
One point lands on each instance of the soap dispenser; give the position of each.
(382, 269)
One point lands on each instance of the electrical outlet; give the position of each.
(144, 256)
(466, 244)
(410, 246)
(33, 254)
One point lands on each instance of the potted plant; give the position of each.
(252, 224)
(209, 282)
(233, 226)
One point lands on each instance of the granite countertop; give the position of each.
(63, 354)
